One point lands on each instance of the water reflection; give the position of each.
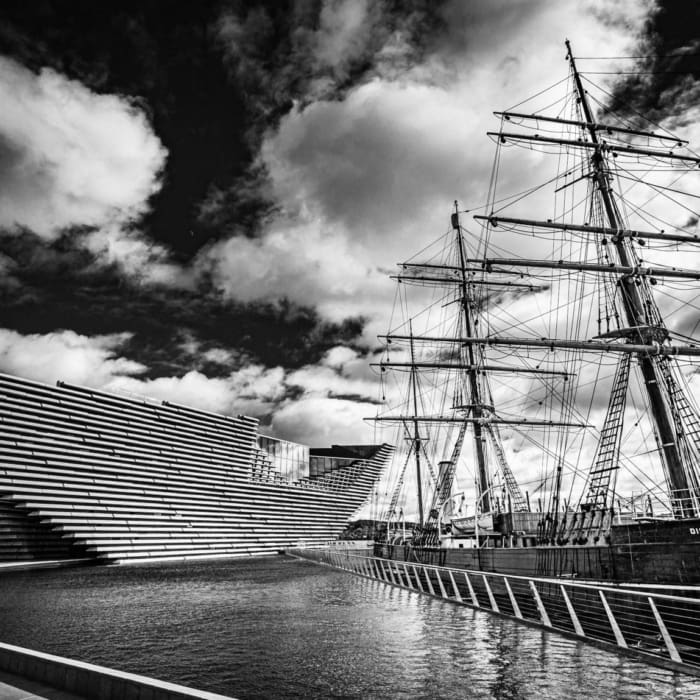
(281, 628)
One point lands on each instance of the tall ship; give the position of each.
(90, 476)
(543, 363)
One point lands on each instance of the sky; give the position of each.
(202, 202)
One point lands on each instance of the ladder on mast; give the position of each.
(605, 463)
(637, 311)
(516, 495)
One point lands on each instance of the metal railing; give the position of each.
(664, 629)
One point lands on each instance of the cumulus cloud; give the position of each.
(319, 421)
(362, 170)
(74, 159)
(376, 160)
(297, 260)
(253, 390)
(304, 406)
(96, 362)
(341, 373)
(67, 356)
(136, 257)
(327, 46)
(345, 27)
(283, 400)
(71, 157)
(364, 177)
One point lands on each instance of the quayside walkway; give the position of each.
(664, 630)
(17, 688)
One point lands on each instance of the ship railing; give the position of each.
(661, 628)
(684, 503)
(340, 545)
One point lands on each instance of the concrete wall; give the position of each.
(91, 681)
(130, 480)
(26, 538)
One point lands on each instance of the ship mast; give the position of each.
(643, 317)
(416, 441)
(476, 406)
(640, 332)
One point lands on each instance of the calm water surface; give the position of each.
(283, 628)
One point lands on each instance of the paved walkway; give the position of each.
(18, 688)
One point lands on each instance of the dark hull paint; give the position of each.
(645, 551)
(655, 563)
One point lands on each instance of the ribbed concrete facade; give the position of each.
(127, 479)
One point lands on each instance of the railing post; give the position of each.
(472, 594)
(613, 623)
(513, 601)
(572, 613)
(540, 605)
(418, 577)
(418, 581)
(408, 577)
(458, 595)
(672, 651)
(494, 604)
(443, 592)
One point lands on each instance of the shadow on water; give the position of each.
(281, 628)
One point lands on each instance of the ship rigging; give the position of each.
(543, 342)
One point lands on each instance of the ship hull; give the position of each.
(656, 563)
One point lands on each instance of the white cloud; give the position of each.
(220, 356)
(295, 259)
(324, 381)
(253, 390)
(343, 32)
(360, 182)
(67, 356)
(139, 259)
(364, 181)
(72, 157)
(339, 356)
(319, 421)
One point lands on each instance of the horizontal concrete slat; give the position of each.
(136, 478)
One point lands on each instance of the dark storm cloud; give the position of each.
(667, 79)
(166, 61)
(212, 76)
(291, 54)
(306, 49)
(304, 144)
(56, 285)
